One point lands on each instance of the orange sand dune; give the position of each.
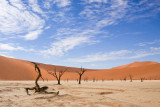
(136, 64)
(148, 71)
(15, 69)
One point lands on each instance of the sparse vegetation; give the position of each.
(94, 79)
(67, 79)
(142, 79)
(59, 75)
(102, 80)
(130, 76)
(81, 72)
(86, 79)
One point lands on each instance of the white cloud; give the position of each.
(48, 27)
(116, 11)
(62, 17)
(10, 47)
(5, 54)
(61, 46)
(59, 3)
(104, 13)
(18, 4)
(143, 9)
(16, 18)
(99, 1)
(78, 32)
(115, 55)
(35, 7)
(68, 39)
(62, 3)
(155, 48)
(47, 4)
(13, 47)
(101, 13)
(102, 57)
(149, 43)
(105, 22)
(32, 35)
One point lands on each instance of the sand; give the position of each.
(88, 94)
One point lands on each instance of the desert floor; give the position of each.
(88, 94)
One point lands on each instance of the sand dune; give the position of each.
(136, 64)
(15, 69)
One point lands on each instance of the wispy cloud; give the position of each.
(12, 47)
(142, 9)
(102, 56)
(35, 7)
(149, 43)
(32, 35)
(5, 54)
(62, 3)
(62, 17)
(99, 1)
(155, 48)
(116, 55)
(68, 39)
(16, 18)
(110, 12)
(79, 32)
(59, 3)
(63, 45)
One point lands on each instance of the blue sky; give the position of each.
(90, 33)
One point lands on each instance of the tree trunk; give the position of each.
(59, 82)
(37, 88)
(80, 79)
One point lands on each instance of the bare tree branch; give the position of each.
(81, 73)
(58, 77)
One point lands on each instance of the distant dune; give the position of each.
(15, 69)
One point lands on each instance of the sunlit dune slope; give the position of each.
(15, 69)
(137, 70)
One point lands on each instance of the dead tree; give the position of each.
(81, 73)
(142, 79)
(37, 87)
(130, 76)
(112, 79)
(94, 79)
(67, 79)
(59, 75)
(102, 80)
(86, 79)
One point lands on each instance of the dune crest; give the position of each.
(136, 64)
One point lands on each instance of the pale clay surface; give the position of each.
(88, 94)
